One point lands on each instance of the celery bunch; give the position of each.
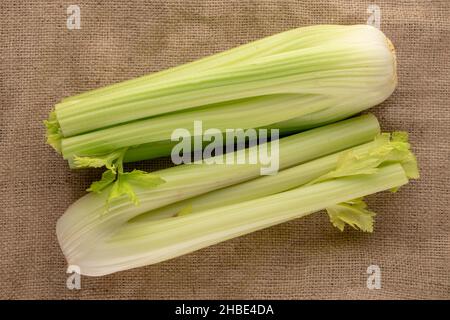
(293, 81)
(302, 79)
(331, 167)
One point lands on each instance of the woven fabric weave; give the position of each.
(42, 62)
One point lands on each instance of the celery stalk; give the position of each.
(186, 214)
(345, 60)
(248, 113)
(263, 186)
(363, 159)
(186, 181)
(296, 38)
(295, 80)
(164, 239)
(312, 144)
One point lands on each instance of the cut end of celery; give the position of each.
(394, 59)
(54, 135)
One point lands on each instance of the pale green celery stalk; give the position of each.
(247, 113)
(186, 181)
(270, 45)
(334, 62)
(122, 184)
(163, 147)
(159, 129)
(263, 186)
(343, 109)
(164, 239)
(363, 159)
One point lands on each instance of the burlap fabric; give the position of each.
(42, 61)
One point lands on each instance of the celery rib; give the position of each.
(181, 235)
(340, 61)
(187, 181)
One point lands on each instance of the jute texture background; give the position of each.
(42, 61)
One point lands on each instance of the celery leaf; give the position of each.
(354, 213)
(111, 160)
(108, 177)
(388, 148)
(124, 185)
